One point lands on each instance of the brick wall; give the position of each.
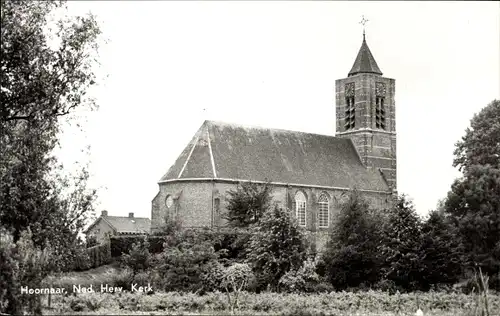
(195, 204)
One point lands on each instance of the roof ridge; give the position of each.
(245, 126)
(127, 217)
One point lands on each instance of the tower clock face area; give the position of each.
(349, 89)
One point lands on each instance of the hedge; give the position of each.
(123, 244)
(222, 239)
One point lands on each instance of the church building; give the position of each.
(309, 172)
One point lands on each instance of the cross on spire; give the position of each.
(363, 22)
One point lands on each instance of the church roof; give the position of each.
(232, 152)
(364, 63)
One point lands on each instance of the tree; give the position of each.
(235, 279)
(277, 246)
(400, 247)
(351, 256)
(481, 143)
(441, 251)
(473, 201)
(45, 74)
(247, 203)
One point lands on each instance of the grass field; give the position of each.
(334, 303)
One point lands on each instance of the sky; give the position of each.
(168, 66)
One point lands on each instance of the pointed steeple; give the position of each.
(364, 63)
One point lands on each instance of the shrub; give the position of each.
(22, 264)
(123, 279)
(138, 259)
(304, 279)
(232, 243)
(212, 276)
(184, 259)
(276, 247)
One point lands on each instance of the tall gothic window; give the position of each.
(350, 113)
(323, 214)
(379, 105)
(300, 208)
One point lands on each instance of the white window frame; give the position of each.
(323, 205)
(301, 206)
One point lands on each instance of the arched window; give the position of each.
(323, 214)
(300, 208)
(169, 201)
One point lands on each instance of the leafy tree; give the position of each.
(400, 247)
(481, 143)
(351, 256)
(44, 77)
(473, 201)
(247, 203)
(441, 251)
(236, 279)
(276, 247)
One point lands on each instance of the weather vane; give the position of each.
(363, 22)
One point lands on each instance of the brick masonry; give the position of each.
(195, 204)
(376, 147)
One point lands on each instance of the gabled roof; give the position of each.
(121, 224)
(226, 151)
(364, 63)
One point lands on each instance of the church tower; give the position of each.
(366, 113)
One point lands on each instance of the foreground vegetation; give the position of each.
(335, 303)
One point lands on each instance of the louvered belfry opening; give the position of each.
(350, 110)
(380, 113)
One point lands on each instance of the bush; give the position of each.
(120, 245)
(276, 247)
(212, 276)
(22, 264)
(304, 279)
(123, 279)
(183, 260)
(139, 258)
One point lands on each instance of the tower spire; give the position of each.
(364, 63)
